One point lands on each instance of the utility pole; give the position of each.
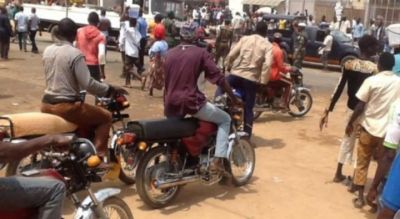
(287, 9)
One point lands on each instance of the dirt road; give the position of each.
(294, 167)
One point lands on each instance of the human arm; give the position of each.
(233, 54)
(357, 113)
(15, 151)
(335, 97)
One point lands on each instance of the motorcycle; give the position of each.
(300, 99)
(179, 151)
(26, 125)
(77, 169)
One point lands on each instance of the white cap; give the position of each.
(302, 24)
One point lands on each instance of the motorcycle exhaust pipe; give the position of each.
(164, 184)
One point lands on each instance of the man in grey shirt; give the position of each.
(33, 26)
(66, 75)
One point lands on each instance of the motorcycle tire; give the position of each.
(240, 181)
(141, 178)
(130, 180)
(118, 205)
(306, 94)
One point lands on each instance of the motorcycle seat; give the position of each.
(36, 124)
(164, 129)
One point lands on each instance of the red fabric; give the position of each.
(159, 32)
(195, 144)
(88, 40)
(277, 65)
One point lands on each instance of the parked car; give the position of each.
(342, 48)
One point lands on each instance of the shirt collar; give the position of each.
(388, 73)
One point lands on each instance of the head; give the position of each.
(171, 15)
(227, 22)
(386, 62)
(310, 17)
(262, 28)
(132, 22)
(358, 20)
(158, 18)
(372, 21)
(33, 10)
(103, 12)
(159, 32)
(344, 18)
(323, 18)
(237, 13)
(327, 31)
(21, 8)
(379, 20)
(368, 46)
(93, 18)
(66, 30)
(188, 32)
(277, 38)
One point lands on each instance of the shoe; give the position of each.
(216, 166)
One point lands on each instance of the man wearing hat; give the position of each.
(299, 44)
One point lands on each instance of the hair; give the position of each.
(386, 61)
(227, 22)
(368, 45)
(132, 22)
(33, 10)
(262, 28)
(103, 12)
(158, 18)
(171, 15)
(21, 8)
(93, 18)
(323, 18)
(67, 29)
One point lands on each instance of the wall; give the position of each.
(297, 5)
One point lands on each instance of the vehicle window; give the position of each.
(339, 36)
(320, 36)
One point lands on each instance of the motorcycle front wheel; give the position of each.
(300, 104)
(153, 167)
(116, 208)
(242, 160)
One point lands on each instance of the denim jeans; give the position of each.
(22, 37)
(248, 91)
(32, 37)
(43, 193)
(211, 113)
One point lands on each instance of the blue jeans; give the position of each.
(211, 113)
(248, 91)
(43, 193)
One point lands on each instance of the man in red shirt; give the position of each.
(277, 80)
(92, 43)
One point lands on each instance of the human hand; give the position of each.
(323, 123)
(118, 90)
(61, 141)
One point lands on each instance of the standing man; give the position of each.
(183, 65)
(237, 24)
(92, 44)
(375, 96)
(142, 25)
(171, 30)
(300, 43)
(358, 30)
(5, 33)
(223, 42)
(33, 25)
(255, 55)
(21, 28)
(380, 33)
(326, 48)
(105, 28)
(354, 72)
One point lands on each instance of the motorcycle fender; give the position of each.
(303, 89)
(101, 196)
(232, 138)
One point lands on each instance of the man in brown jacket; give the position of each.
(255, 55)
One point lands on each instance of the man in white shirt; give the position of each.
(345, 25)
(131, 41)
(21, 27)
(326, 48)
(237, 24)
(376, 95)
(33, 25)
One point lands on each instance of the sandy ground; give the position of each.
(295, 161)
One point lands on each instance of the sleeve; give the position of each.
(121, 38)
(86, 82)
(212, 72)
(338, 90)
(392, 138)
(233, 54)
(365, 91)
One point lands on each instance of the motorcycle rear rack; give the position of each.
(9, 129)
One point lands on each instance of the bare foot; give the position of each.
(339, 178)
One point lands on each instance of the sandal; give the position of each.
(339, 179)
(358, 203)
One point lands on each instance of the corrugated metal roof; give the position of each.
(271, 3)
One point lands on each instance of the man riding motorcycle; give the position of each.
(66, 75)
(277, 80)
(42, 193)
(255, 55)
(183, 65)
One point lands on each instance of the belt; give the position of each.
(50, 99)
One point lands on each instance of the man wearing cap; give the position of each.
(299, 44)
(183, 65)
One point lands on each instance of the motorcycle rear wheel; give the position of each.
(242, 162)
(144, 179)
(304, 96)
(116, 208)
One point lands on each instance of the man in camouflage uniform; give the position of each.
(223, 42)
(299, 44)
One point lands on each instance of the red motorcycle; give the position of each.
(77, 169)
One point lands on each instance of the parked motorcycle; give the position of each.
(77, 169)
(300, 100)
(179, 151)
(26, 125)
